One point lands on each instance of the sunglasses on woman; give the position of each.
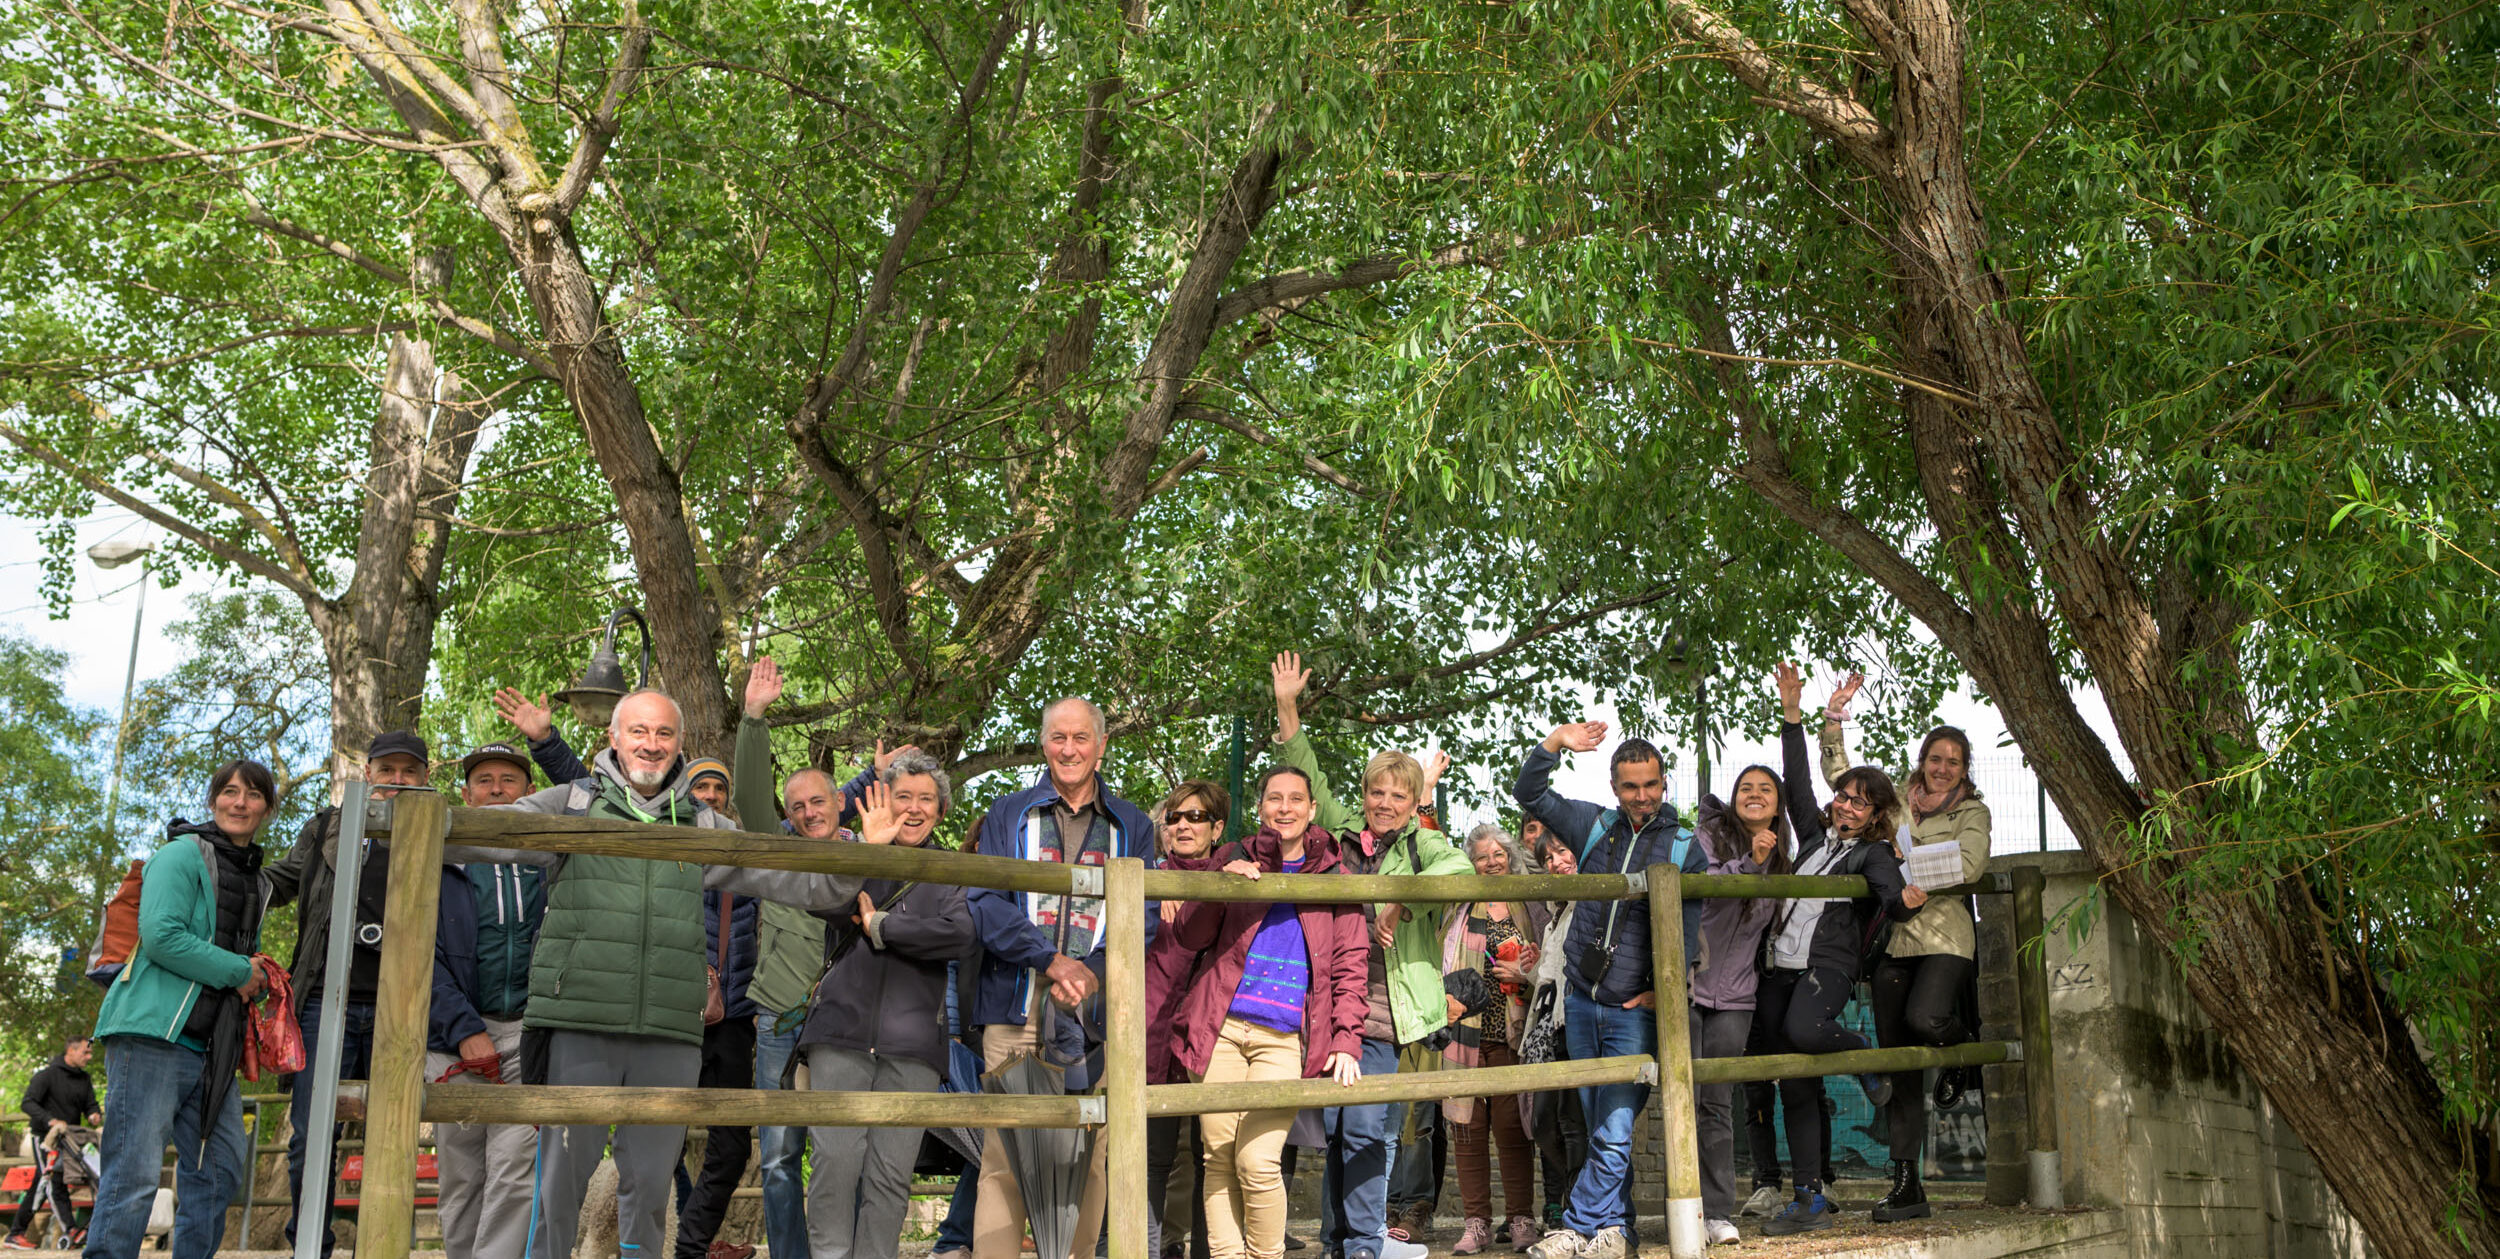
(1178, 816)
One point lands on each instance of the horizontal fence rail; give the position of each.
(425, 832)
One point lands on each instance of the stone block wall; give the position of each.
(2155, 1118)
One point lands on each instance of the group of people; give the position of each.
(617, 971)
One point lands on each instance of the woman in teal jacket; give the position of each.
(172, 1024)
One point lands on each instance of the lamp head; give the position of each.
(117, 553)
(593, 698)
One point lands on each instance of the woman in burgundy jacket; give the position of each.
(1279, 995)
(1189, 824)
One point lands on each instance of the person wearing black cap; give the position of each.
(394, 762)
(486, 1168)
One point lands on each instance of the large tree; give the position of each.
(2137, 344)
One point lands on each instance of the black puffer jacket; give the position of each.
(1841, 934)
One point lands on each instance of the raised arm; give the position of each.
(751, 757)
(1805, 813)
(1835, 711)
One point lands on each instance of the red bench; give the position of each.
(22, 1178)
(352, 1174)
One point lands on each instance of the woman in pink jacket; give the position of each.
(1280, 995)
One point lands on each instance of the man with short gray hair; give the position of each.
(1071, 818)
(617, 983)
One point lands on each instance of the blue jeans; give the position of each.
(1354, 1177)
(955, 1231)
(155, 1101)
(355, 1063)
(1602, 1197)
(785, 1196)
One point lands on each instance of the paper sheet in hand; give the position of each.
(1933, 866)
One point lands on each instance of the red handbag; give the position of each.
(272, 1042)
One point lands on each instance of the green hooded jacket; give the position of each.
(176, 958)
(1413, 964)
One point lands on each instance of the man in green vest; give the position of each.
(617, 983)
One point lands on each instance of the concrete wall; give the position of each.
(2155, 1118)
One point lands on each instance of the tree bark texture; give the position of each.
(2006, 496)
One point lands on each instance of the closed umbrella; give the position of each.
(1050, 1164)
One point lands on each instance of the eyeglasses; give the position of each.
(1177, 816)
(1853, 800)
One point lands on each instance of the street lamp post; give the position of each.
(108, 556)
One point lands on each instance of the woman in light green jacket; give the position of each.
(1918, 984)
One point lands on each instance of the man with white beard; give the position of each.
(617, 984)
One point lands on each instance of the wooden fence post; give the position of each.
(1685, 1239)
(1124, 1057)
(387, 1215)
(2031, 972)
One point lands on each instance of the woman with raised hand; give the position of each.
(1815, 944)
(1747, 836)
(1279, 995)
(1492, 939)
(1188, 825)
(878, 1020)
(1918, 984)
(172, 1023)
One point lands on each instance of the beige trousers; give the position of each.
(1245, 1186)
(998, 1219)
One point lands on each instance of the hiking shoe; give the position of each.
(1765, 1200)
(1522, 1232)
(1610, 1243)
(1474, 1237)
(1398, 1248)
(1878, 1088)
(1949, 1088)
(17, 1241)
(1561, 1243)
(1907, 1199)
(1295, 1243)
(1804, 1214)
(1720, 1233)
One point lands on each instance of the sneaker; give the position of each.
(1522, 1230)
(1561, 1243)
(1720, 1233)
(17, 1241)
(1907, 1199)
(1878, 1086)
(966, 1254)
(1765, 1200)
(1610, 1243)
(1400, 1248)
(1949, 1088)
(1804, 1214)
(1474, 1237)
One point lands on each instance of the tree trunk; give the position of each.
(2005, 494)
(379, 633)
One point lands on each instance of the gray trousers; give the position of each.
(645, 1154)
(1718, 1034)
(486, 1168)
(860, 1183)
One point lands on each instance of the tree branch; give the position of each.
(1289, 290)
(240, 557)
(1834, 113)
(599, 130)
(1235, 424)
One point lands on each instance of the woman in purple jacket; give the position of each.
(1749, 836)
(1279, 995)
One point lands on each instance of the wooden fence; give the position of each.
(397, 1098)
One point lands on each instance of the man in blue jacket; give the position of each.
(1068, 817)
(1609, 1004)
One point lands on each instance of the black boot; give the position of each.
(1951, 1084)
(1908, 1199)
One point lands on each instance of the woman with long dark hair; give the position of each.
(1747, 836)
(1918, 986)
(172, 1023)
(1818, 945)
